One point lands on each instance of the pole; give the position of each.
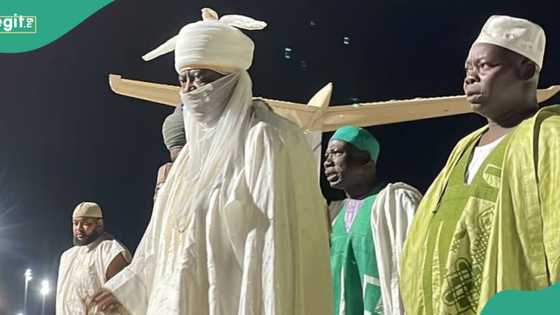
(28, 276)
(25, 297)
(45, 289)
(43, 305)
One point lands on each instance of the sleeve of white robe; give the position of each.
(108, 251)
(390, 220)
(281, 177)
(62, 268)
(132, 285)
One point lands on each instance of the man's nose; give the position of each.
(188, 87)
(328, 162)
(471, 77)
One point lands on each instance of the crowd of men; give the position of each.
(238, 224)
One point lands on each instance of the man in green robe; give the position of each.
(490, 220)
(369, 226)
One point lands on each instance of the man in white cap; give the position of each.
(490, 220)
(238, 227)
(94, 259)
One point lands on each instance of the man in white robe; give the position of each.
(238, 227)
(94, 259)
(369, 227)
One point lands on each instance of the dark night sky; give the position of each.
(67, 138)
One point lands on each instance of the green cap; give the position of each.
(173, 130)
(360, 138)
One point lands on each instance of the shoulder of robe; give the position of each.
(404, 190)
(401, 187)
(112, 245)
(545, 124)
(549, 119)
(106, 244)
(271, 127)
(264, 136)
(124, 250)
(68, 252)
(266, 124)
(264, 113)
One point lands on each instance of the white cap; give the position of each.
(87, 209)
(519, 35)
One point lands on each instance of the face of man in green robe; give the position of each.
(347, 167)
(498, 81)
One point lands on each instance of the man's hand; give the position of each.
(106, 301)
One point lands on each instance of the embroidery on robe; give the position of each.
(465, 277)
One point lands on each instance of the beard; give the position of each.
(89, 239)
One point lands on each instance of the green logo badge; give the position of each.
(18, 24)
(27, 25)
(511, 302)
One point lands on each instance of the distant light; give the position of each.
(346, 40)
(45, 288)
(303, 65)
(312, 23)
(287, 53)
(28, 275)
(20, 313)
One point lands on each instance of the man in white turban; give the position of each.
(490, 220)
(238, 227)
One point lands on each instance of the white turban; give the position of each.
(212, 43)
(519, 35)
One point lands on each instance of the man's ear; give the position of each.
(527, 70)
(370, 165)
(100, 226)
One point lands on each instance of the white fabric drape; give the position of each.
(390, 220)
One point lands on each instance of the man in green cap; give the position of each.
(368, 228)
(490, 220)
